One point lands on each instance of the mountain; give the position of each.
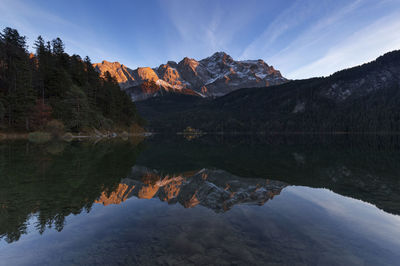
(121, 73)
(214, 189)
(213, 76)
(360, 99)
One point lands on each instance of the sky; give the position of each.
(301, 38)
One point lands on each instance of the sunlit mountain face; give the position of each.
(213, 76)
(178, 198)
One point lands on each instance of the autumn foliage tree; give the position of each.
(41, 114)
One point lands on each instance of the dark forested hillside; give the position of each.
(361, 99)
(52, 85)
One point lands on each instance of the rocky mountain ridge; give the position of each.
(360, 99)
(213, 76)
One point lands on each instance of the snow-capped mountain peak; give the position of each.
(213, 76)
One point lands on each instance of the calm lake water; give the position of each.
(215, 200)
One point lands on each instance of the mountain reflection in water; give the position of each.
(214, 189)
(204, 201)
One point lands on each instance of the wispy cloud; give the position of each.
(30, 20)
(319, 30)
(207, 26)
(287, 19)
(297, 56)
(363, 46)
(298, 37)
(22, 15)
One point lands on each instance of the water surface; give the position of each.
(299, 200)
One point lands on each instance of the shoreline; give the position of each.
(111, 135)
(70, 136)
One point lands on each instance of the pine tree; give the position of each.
(40, 46)
(58, 46)
(53, 85)
(77, 109)
(17, 78)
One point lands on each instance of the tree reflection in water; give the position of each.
(55, 180)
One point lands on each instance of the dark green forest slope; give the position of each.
(360, 99)
(52, 85)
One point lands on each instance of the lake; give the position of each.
(212, 200)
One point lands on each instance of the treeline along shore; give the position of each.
(51, 91)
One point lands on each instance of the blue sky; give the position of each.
(302, 38)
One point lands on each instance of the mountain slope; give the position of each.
(121, 73)
(359, 99)
(213, 76)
